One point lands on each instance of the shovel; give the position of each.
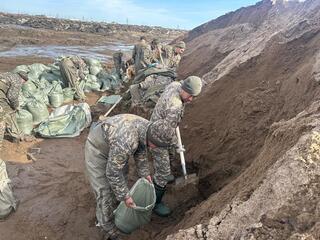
(113, 106)
(186, 179)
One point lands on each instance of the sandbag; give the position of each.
(38, 110)
(56, 99)
(21, 68)
(66, 121)
(92, 62)
(68, 95)
(94, 70)
(41, 96)
(25, 121)
(129, 219)
(92, 84)
(109, 99)
(8, 202)
(28, 88)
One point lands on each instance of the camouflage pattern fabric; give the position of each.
(117, 61)
(73, 71)
(10, 86)
(155, 80)
(165, 118)
(108, 148)
(170, 58)
(142, 56)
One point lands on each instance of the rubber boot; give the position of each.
(160, 208)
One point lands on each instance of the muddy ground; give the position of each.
(55, 199)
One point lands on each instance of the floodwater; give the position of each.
(102, 53)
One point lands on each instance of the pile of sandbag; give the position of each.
(46, 88)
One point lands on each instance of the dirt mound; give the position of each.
(258, 75)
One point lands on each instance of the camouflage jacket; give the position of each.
(10, 86)
(82, 69)
(126, 136)
(168, 113)
(170, 58)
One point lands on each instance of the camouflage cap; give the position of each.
(192, 85)
(181, 44)
(155, 137)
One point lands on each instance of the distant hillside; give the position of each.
(102, 28)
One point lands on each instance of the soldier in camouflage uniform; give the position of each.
(141, 55)
(10, 86)
(169, 59)
(73, 70)
(171, 55)
(165, 118)
(109, 146)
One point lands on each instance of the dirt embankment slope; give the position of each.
(243, 132)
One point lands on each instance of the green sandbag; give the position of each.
(8, 203)
(92, 83)
(38, 68)
(94, 70)
(66, 121)
(50, 77)
(41, 96)
(56, 99)
(21, 68)
(129, 219)
(38, 110)
(92, 62)
(28, 87)
(68, 95)
(109, 99)
(24, 121)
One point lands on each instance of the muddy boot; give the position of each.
(135, 93)
(160, 208)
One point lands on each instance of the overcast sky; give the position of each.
(185, 14)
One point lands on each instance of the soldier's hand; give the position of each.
(149, 178)
(129, 202)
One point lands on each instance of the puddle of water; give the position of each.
(53, 51)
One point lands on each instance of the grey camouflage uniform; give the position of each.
(10, 86)
(73, 70)
(108, 148)
(165, 118)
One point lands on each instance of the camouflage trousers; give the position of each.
(70, 75)
(96, 164)
(8, 123)
(161, 163)
(153, 80)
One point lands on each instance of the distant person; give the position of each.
(165, 118)
(108, 148)
(171, 55)
(155, 47)
(10, 87)
(169, 60)
(73, 70)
